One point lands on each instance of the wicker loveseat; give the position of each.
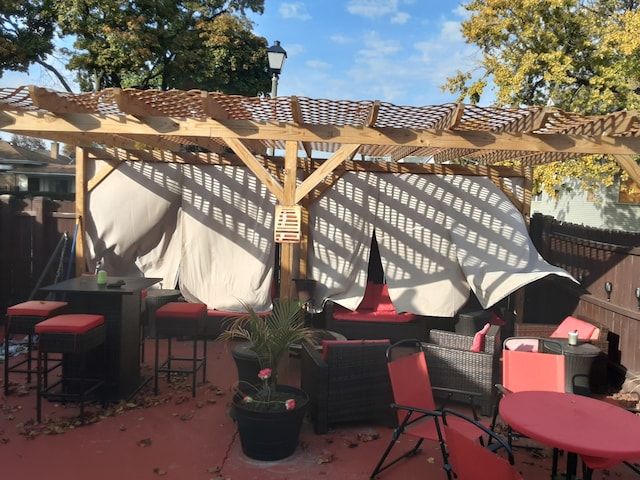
(347, 381)
(453, 365)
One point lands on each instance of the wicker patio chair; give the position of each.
(453, 365)
(347, 381)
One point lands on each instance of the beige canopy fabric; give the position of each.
(209, 228)
(440, 237)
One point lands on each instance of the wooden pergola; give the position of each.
(320, 138)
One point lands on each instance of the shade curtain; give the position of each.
(208, 229)
(228, 249)
(440, 237)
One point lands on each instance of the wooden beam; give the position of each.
(323, 170)
(259, 171)
(296, 112)
(629, 165)
(248, 129)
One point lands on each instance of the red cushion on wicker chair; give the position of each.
(571, 324)
(478, 339)
(36, 308)
(181, 309)
(76, 323)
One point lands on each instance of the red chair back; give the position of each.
(523, 371)
(471, 461)
(410, 382)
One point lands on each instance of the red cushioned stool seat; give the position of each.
(73, 336)
(21, 319)
(187, 321)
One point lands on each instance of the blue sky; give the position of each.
(396, 51)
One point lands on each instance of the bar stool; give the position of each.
(22, 319)
(186, 320)
(73, 335)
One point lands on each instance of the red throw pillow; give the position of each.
(478, 339)
(371, 295)
(384, 302)
(573, 324)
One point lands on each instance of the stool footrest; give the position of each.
(167, 368)
(85, 389)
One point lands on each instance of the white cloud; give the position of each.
(400, 18)
(297, 11)
(318, 65)
(372, 8)
(340, 39)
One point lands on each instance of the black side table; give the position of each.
(578, 362)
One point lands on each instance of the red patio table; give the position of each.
(601, 433)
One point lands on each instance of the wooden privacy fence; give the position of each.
(594, 257)
(30, 231)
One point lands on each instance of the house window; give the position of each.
(629, 192)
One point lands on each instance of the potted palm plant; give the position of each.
(269, 413)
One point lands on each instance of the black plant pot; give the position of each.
(247, 364)
(270, 435)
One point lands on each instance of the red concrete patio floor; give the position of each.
(175, 436)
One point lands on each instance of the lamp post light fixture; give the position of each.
(276, 56)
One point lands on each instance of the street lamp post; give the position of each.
(276, 56)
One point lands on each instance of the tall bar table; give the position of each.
(121, 309)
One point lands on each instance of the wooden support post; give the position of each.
(287, 289)
(81, 205)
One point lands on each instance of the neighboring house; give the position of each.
(24, 170)
(608, 209)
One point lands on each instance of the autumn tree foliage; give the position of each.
(576, 55)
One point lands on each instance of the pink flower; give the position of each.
(264, 374)
(290, 404)
(247, 399)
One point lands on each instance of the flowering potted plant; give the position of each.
(269, 414)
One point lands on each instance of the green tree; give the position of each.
(27, 32)
(577, 55)
(205, 44)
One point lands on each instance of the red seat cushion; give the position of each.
(36, 308)
(181, 309)
(76, 323)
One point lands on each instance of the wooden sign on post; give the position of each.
(288, 224)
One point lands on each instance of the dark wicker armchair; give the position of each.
(351, 385)
(453, 365)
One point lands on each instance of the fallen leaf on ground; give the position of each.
(325, 457)
(145, 442)
(367, 437)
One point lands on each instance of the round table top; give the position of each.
(602, 433)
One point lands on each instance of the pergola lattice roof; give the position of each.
(179, 120)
